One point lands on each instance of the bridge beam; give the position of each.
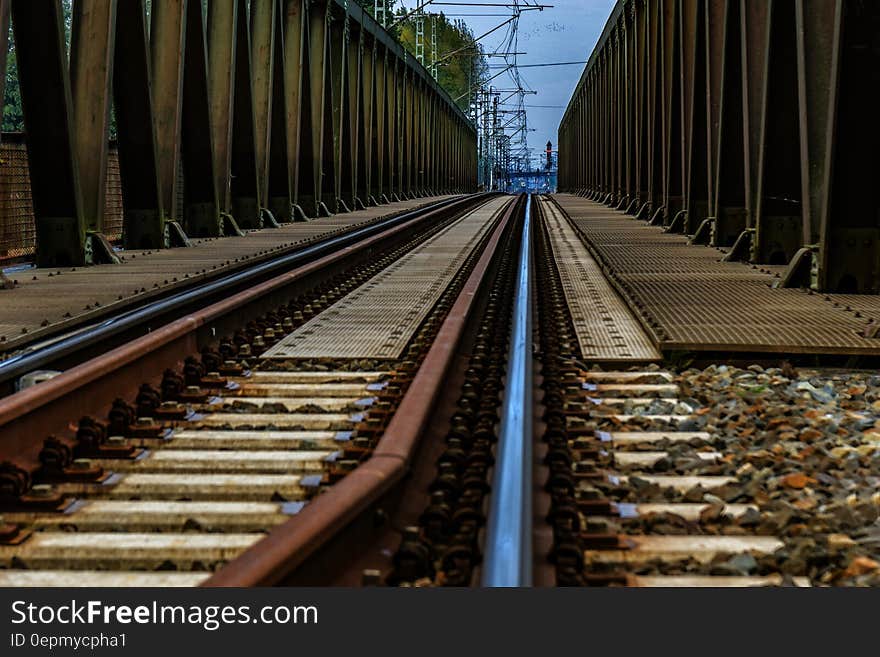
(748, 121)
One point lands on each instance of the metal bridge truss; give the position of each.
(239, 116)
(749, 124)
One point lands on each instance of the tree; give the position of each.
(458, 73)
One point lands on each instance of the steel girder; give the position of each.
(747, 124)
(247, 114)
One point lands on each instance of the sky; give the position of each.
(566, 32)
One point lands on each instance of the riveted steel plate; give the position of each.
(604, 325)
(695, 301)
(379, 318)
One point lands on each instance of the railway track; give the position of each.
(252, 431)
(470, 402)
(80, 338)
(665, 476)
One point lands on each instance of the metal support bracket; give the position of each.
(230, 227)
(802, 270)
(359, 204)
(704, 232)
(299, 214)
(99, 251)
(644, 211)
(678, 222)
(741, 250)
(175, 235)
(659, 214)
(323, 210)
(269, 219)
(342, 205)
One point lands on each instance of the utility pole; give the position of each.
(379, 12)
(420, 37)
(434, 52)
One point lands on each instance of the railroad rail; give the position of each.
(382, 397)
(194, 473)
(509, 534)
(95, 332)
(665, 475)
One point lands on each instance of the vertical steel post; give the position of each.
(144, 215)
(49, 122)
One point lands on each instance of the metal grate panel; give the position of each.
(379, 318)
(695, 301)
(42, 296)
(605, 328)
(17, 229)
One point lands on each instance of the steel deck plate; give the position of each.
(695, 301)
(379, 318)
(46, 299)
(605, 327)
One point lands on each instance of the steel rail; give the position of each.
(91, 335)
(508, 548)
(289, 545)
(89, 387)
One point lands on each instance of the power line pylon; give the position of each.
(434, 52)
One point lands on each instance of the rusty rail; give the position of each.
(82, 339)
(290, 544)
(87, 389)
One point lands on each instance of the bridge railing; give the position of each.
(246, 114)
(749, 124)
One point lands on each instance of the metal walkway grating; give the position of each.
(697, 302)
(379, 318)
(44, 296)
(604, 325)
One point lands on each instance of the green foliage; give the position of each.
(13, 116)
(458, 73)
